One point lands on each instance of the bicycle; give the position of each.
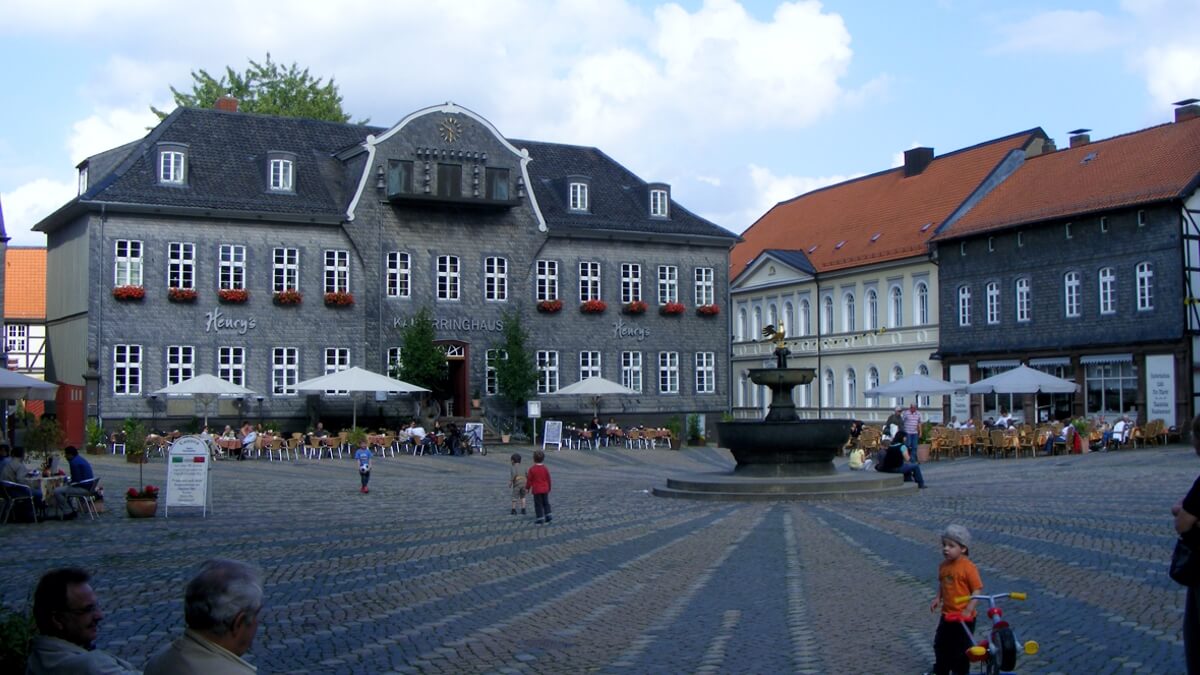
(997, 653)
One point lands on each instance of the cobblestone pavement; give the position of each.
(430, 573)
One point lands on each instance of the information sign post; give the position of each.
(187, 475)
(533, 410)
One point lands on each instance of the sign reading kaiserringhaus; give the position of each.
(187, 474)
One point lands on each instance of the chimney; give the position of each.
(1049, 146)
(1186, 109)
(226, 103)
(916, 160)
(1079, 137)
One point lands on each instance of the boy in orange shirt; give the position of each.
(957, 578)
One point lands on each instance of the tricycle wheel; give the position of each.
(1006, 649)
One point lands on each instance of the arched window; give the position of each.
(1024, 311)
(756, 325)
(772, 314)
(897, 373)
(848, 312)
(827, 315)
(922, 311)
(1071, 294)
(851, 388)
(1145, 286)
(871, 320)
(896, 308)
(993, 303)
(804, 318)
(743, 391)
(789, 325)
(964, 305)
(829, 399)
(1108, 291)
(872, 382)
(741, 324)
(923, 401)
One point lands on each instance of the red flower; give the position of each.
(148, 492)
(339, 299)
(233, 295)
(635, 307)
(708, 310)
(181, 294)
(593, 307)
(128, 292)
(288, 297)
(672, 308)
(549, 306)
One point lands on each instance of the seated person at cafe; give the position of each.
(228, 433)
(419, 436)
(249, 437)
(1062, 436)
(15, 471)
(319, 431)
(81, 471)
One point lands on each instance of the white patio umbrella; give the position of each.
(915, 385)
(1023, 380)
(357, 379)
(205, 389)
(595, 387)
(14, 386)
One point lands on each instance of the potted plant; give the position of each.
(233, 296)
(674, 426)
(181, 294)
(672, 309)
(355, 436)
(708, 310)
(288, 297)
(476, 402)
(135, 443)
(593, 307)
(635, 307)
(128, 293)
(94, 435)
(44, 437)
(549, 306)
(141, 503)
(695, 434)
(339, 299)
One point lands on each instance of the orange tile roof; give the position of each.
(1141, 167)
(25, 283)
(885, 204)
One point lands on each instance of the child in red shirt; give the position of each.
(537, 479)
(957, 578)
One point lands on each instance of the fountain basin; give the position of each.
(784, 448)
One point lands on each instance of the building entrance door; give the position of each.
(455, 400)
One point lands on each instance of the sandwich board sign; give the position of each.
(552, 434)
(188, 465)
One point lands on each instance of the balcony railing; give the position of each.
(841, 343)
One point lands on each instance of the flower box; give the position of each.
(635, 307)
(672, 309)
(233, 296)
(288, 297)
(339, 299)
(549, 306)
(142, 503)
(593, 307)
(181, 294)
(128, 293)
(708, 310)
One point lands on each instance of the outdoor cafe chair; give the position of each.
(85, 502)
(15, 493)
(118, 442)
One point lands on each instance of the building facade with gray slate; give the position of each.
(270, 250)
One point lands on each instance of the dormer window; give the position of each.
(281, 172)
(83, 178)
(449, 180)
(578, 194)
(660, 200)
(496, 182)
(172, 164)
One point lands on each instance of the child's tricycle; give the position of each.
(997, 653)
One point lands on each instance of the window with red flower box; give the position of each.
(635, 307)
(708, 310)
(233, 295)
(339, 299)
(181, 294)
(288, 297)
(672, 309)
(128, 292)
(549, 306)
(593, 307)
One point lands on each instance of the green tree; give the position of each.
(516, 374)
(267, 88)
(422, 362)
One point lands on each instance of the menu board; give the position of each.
(187, 474)
(552, 433)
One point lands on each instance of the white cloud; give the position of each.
(710, 180)
(1066, 31)
(1172, 72)
(770, 189)
(28, 204)
(107, 129)
(1170, 59)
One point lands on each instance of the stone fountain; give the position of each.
(783, 456)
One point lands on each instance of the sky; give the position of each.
(736, 104)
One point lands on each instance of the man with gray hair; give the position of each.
(221, 607)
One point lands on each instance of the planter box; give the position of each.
(96, 450)
(922, 452)
(141, 508)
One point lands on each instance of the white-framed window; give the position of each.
(285, 370)
(1020, 239)
(491, 385)
(399, 274)
(922, 305)
(579, 196)
(772, 315)
(631, 282)
(395, 361)
(1024, 310)
(705, 291)
(589, 364)
(827, 314)
(991, 244)
(805, 318)
(789, 316)
(127, 370)
(181, 265)
(848, 312)
(181, 363)
(993, 303)
(589, 281)
(631, 370)
(964, 305)
(706, 372)
(828, 387)
(668, 372)
(170, 167)
(668, 284)
(282, 179)
(756, 323)
(285, 269)
(16, 337)
(871, 316)
(232, 267)
(742, 326)
(1108, 290)
(337, 271)
(1141, 218)
(872, 383)
(1067, 230)
(851, 388)
(1071, 294)
(896, 307)
(83, 179)
(1103, 224)
(231, 365)
(336, 358)
(127, 262)
(547, 367)
(547, 280)
(1145, 286)
(495, 279)
(658, 203)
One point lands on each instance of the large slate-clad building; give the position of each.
(270, 250)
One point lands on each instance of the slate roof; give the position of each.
(903, 211)
(1141, 167)
(25, 283)
(796, 259)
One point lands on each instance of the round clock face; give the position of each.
(450, 129)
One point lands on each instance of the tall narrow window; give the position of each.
(547, 280)
(631, 282)
(579, 196)
(589, 281)
(1108, 291)
(848, 312)
(851, 388)
(170, 167)
(395, 361)
(337, 271)
(282, 175)
(871, 318)
(827, 315)
(399, 274)
(1071, 294)
(181, 265)
(827, 381)
(922, 317)
(1023, 304)
(447, 277)
(496, 183)
(805, 317)
(993, 303)
(449, 180)
(400, 177)
(668, 372)
(285, 370)
(668, 284)
(231, 365)
(589, 364)
(547, 366)
(872, 382)
(705, 289)
(789, 316)
(127, 370)
(923, 401)
(1145, 286)
(336, 359)
(495, 279)
(658, 203)
(181, 363)
(743, 330)
(232, 273)
(631, 370)
(896, 313)
(285, 272)
(127, 263)
(964, 305)
(491, 385)
(706, 372)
